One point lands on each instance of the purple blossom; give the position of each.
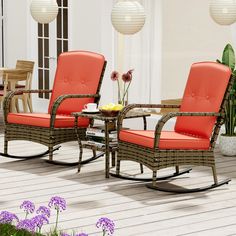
(107, 225)
(28, 207)
(58, 203)
(81, 234)
(7, 217)
(40, 220)
(65, 234)
(43, 210)
(27, 225)
(114, 75)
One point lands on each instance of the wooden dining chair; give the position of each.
(12, 77)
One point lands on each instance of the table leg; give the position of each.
(107, 151)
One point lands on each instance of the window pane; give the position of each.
(40, 30)
(59, 47)
(59, 26)
(46, 82)
(40, 81)
(46, 47)
(40, 52)
(46, 30)
(65, 23)
(59, 2)
(65, 46)
(65, 3)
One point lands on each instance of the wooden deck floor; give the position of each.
(135, 209)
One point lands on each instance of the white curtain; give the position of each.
(142, 52)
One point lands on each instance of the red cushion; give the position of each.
(43, 120)
(168, 140)
(204, 92)
(77, 72)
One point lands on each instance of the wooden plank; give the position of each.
(135, 209)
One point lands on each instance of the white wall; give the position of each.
(15, 31)
(189, 35)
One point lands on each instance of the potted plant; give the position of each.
(228, 138)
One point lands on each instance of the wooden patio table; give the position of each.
(108, 122)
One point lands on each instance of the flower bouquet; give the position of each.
(123, 85)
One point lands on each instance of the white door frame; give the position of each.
(41, 104)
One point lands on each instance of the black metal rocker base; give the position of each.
(185, 190)
(61, 163)
(150, 179)
(29, 157)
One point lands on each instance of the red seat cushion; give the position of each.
(204, 92)
(43, 120)
(168, 140)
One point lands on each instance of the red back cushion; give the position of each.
(78, 72)
(204, 92)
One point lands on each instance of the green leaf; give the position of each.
(228, 57)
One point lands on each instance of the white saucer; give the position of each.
(93, 111)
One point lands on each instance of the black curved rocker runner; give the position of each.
(176, 173)
(42, 154)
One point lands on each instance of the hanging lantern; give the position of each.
(44, 11)
(128, 17)
(223, 12)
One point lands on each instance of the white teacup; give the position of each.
(91, 106)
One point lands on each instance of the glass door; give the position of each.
(52, 41)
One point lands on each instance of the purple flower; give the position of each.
(107, 225)
(7, 217)
(28, 206)
(27, 225)
(43, 210)
(65, 234)
(127, 77)
(114, 76)
(58, 203)
(40, 220)
(81, 234)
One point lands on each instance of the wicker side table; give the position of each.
(107, 122)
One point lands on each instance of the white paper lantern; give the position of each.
(44, 11)
(223, 12)
(128, 17)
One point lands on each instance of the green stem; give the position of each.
(118, 82)
(26, 215)
(104, 232)
(126, 91)
(57, 220)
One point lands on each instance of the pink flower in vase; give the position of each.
(126, 78)
(114, 76)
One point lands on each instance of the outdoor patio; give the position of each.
(135, 209)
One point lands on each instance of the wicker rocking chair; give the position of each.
(77, 82)
(193, 140)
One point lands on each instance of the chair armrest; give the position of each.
(11, 94)
(61, 98)
(170, 115)
(128, 108)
